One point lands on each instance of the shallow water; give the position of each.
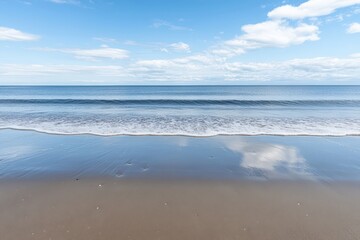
(28, 154)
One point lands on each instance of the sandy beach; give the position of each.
(120, 209)
(121, 187)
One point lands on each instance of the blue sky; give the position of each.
(179, 42)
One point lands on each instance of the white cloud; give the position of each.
(170, 26)
(311, 8)
(354, 28)
(10, 34)
(130, 43)
(91, 54)
(105, 40)
(105, 52)
(65, 1)
(180, 46)
(355, 55)
(267, 34)
(274, 34)
(41, 69)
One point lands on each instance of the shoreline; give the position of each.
(176, 135)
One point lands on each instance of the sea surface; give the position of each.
(183, 110)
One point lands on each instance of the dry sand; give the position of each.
(102, 208)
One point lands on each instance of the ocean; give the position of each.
(182, 110)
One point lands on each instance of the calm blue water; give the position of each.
(183, 110)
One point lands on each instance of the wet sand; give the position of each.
(89, 187)
(121, 209)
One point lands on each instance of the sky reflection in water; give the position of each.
(270, 160)
(26, 154)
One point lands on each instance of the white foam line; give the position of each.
(179, 134)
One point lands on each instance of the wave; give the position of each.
(190, 102)
(184, 134)
(185, 126)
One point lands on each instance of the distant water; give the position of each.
(183, 110)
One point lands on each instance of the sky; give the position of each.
(192, 42)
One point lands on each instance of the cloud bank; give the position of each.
(104, 52)
(200, 68)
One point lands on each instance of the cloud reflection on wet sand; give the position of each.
(270, 160)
